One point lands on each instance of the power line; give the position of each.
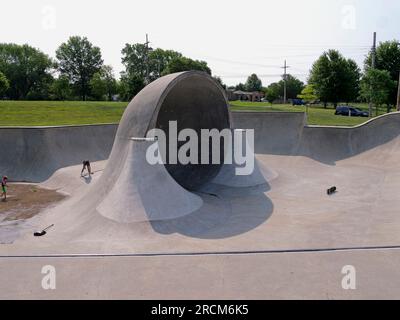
(243, 63)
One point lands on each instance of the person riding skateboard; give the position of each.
(4, 188)
(86, 165)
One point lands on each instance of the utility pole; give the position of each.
(285, 67)
(147, 80)
(373, 62)
(398, 94)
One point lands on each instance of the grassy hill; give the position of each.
(50, 113)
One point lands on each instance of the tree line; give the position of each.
(334, 79)
(78, 71)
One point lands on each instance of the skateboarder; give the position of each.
(4, 188)
(86, 165)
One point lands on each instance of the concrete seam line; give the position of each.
(222, 253)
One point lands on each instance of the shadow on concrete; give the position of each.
(87, 179)
(226, 212)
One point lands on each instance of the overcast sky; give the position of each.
(236, 38)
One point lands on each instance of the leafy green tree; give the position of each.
(79, 60)
(240, 87)
(353, 76)
(376, 87)
(253, 83)
(219, 80)
(27, 69)
(275, 90)
(334, 77)
(180, 64)
(129, 86)
(4, 84)
(271, 94)
(308, 95)
(103, 84)
(140, 62)
(387, 58)
(98, 87)
(61, 88)
(293, 87)
(134, 59)
(111, 83)
(159, 60)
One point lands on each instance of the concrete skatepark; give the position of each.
(153, 232)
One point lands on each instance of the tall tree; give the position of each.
(4, 84)
(387, 58)
(144, 64)
(271, 94)
(79, 60)
(353, 76)
(134, 58)
(61, 88)
(98, 87)
(180, 64)
(159, 60)
(334, 77)
(376, 87)
(241, 87)
(129, 85)
(293, 87)
(275, 91)
(107, 76)
(27, 69)
(253, 83)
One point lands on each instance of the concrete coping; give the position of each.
(359, 125)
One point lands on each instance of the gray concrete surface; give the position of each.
(280, 238)
(34, 154)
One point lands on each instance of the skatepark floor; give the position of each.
(286, 239)
(282, 239)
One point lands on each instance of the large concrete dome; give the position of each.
(195, 101)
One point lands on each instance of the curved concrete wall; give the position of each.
(287, 134)
(274, 132)
(33, 154)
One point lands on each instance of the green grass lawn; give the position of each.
(317, 115)
(50, 113)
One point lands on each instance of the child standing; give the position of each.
(4, 188)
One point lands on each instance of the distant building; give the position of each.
(244, 95)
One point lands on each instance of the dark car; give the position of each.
(350, 111)
(297, 102)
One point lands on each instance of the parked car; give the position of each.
(350, 111)
(297, 102)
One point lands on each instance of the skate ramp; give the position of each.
(132, 190)
(33, 154)
(289, 210)
(286, 134)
